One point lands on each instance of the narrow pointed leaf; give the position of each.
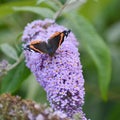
(9, 51)
(45, 12)
(14, 78)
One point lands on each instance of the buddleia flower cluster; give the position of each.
(61, 75)
(15, 108)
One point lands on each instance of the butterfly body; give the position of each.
(53, 43)
(50, 50)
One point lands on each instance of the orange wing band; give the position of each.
(35, 42)
(61, 38)
(54, 35)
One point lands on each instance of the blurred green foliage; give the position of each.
(96, 25)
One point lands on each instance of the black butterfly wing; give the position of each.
(38, 46)
(55, 41)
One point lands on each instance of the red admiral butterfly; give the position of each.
(53, 43)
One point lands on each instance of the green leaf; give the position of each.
(34, 94)
(9, 51)
(14, 78)
(45, 12)
(53, 4)
(114, 112)
(95, 46)
(73, 4)
(6, 9)
(40, 1)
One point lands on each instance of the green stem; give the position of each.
(58, 13)
(16, 63)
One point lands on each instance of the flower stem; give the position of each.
(16, 63)
(59, 12)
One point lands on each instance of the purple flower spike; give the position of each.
(60, 75)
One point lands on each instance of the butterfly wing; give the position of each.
(55, 41)
(38, 46)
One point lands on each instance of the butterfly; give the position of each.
(51, 46)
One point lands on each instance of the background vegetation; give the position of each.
(96, 25)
